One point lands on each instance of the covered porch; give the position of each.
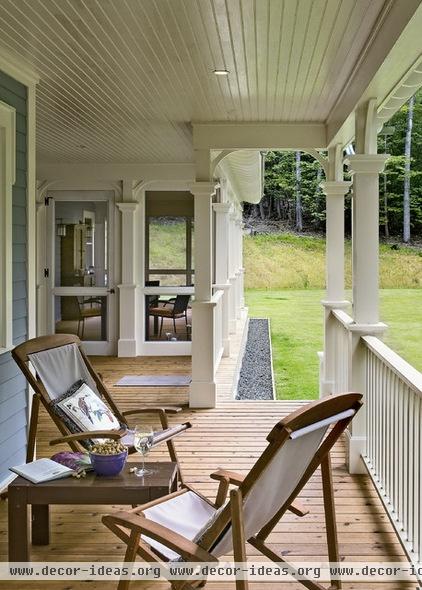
(364, 530)
(157, 113)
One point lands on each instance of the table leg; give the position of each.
(174, 486)
(18, 525)
(40, 524)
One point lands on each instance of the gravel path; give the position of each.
(255, 379)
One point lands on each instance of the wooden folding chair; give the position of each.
(70, 365)
(186, 525)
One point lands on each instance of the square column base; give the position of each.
(356, 446)
(202, 394)
(126, 347)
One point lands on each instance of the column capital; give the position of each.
(202, 188)
(340, 304)
(366, 163)
(367, 329)
(222, 207)
(335, 188)
(124, 206)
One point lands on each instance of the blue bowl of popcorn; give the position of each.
(109, 458)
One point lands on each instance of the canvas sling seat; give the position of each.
(187, 526)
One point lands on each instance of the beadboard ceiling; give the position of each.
(122, 80)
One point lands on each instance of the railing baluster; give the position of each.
(416, 475)
(400, 462)
(419, 497)
(410, 451)
(405, 461)
(370, 402)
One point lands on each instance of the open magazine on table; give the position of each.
(42, 470)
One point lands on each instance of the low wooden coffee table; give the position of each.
(126, 489)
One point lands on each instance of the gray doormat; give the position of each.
(256, 374)
(154, 381)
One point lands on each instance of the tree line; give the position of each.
(293, 197)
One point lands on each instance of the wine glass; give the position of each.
(142, 441)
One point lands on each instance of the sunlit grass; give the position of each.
(288, 261)
(297, 332)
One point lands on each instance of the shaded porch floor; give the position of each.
(231, 436)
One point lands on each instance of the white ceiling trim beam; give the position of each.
(396, 16)
(106, 172)
(243, 170)
(259, 136)
(408, 85)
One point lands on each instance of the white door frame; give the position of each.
(109, 346)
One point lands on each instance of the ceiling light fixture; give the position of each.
(221, 72)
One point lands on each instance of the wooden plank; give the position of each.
(233, 435)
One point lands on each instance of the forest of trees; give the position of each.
(293, 198)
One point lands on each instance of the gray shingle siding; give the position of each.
(13, 391)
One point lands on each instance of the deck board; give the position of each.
(231, 435)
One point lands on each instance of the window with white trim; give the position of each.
(7, 179)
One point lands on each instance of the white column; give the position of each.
(365, 168)
(232, 274)
(222, 211)
(42, 286)
(241, 268)
(127, 288)
(203, 389)
(335, 191)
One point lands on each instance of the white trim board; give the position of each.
(7, 179)
(17, 68)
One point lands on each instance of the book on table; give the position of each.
(42, 470)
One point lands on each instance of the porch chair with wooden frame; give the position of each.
(186, 525)
(179, 309)
(58, 361)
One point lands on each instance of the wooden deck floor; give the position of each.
(232, 436)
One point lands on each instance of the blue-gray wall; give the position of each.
(13, 393)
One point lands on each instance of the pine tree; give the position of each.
(407, 156)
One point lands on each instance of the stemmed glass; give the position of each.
(142, 441)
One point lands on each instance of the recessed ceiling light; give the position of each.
(221, 72)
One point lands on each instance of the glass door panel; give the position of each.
(82, 294)
(81, 244)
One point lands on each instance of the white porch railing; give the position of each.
(394, 439)
(392, 423)
(217, 299)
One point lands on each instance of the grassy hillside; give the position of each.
(287, 261)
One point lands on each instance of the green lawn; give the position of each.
(296, 331)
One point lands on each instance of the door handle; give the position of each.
(111, 291)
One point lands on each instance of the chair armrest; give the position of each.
(139, 523)
(166, 409)
(225, 478)
(231, 476)
(111, 434)
(169, 433)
